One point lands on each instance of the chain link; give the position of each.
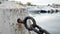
(33, 26)
(40, 30)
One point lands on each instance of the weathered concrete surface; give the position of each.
(8, 21)
(9, 13)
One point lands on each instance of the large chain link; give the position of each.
(33, 26)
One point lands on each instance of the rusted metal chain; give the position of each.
(33, 26)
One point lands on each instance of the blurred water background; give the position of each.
(50, 22)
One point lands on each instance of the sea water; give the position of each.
(49, 22)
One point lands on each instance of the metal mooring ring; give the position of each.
(19, 20)
(25, 22)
